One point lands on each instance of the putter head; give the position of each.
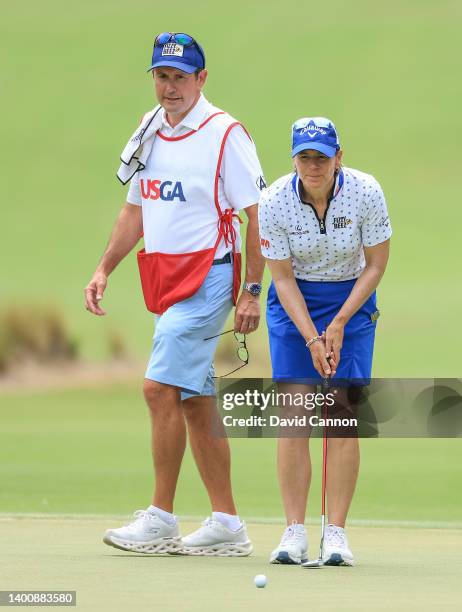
(313, 564)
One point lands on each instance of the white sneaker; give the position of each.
(293, 548)
(148, 533)
(335, 549)
(215, 540)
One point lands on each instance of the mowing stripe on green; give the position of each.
(9, 516)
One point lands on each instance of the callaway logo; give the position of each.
(173, 49)
(312, 129)
(166, 190)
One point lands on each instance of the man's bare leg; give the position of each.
(168, 439)
(211, 453)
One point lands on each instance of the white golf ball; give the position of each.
(260, 581)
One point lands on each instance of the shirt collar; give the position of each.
(197, 115)
(339, 180)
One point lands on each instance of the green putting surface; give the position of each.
(399, 569)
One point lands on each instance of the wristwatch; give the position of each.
(253, 288)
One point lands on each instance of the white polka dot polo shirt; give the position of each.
(329, 249)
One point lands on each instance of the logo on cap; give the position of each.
(312, 129)
(173, 49)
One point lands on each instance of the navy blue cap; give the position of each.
(316, 133)
(187, 58)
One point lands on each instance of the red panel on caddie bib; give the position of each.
(170, 278)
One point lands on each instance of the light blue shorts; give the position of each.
(180, 354)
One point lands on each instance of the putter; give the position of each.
(319, 562)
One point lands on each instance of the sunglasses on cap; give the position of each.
(180, 38)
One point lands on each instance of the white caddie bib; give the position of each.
(179, 187)
(185, 218)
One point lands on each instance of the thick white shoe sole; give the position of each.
(159, 546)
(284, 557)
(222, 549)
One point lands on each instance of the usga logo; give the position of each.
(153, 189)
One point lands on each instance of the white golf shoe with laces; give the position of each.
(148, 533)
(335, 550)
(293, 548)
(215, 540)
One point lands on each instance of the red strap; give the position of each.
(225, 218)
(226, 227)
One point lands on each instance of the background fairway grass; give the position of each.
(87, 451)
(73, 89)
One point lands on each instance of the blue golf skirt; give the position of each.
(291, 359)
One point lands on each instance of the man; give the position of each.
(200, 170)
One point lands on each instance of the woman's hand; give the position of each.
(319, 357)
(333, 339)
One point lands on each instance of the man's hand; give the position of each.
(126, 233)
(94, 292)
(247, 315)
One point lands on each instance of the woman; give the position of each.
(325, 234)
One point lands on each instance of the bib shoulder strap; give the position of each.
(203, 124)
(232, 124)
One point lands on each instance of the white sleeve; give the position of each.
(274, 242)
(375, 227)
(241, 170)
(134, 193)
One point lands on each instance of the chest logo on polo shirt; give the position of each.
(297, 230)
(154, 189)
(342, 222)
